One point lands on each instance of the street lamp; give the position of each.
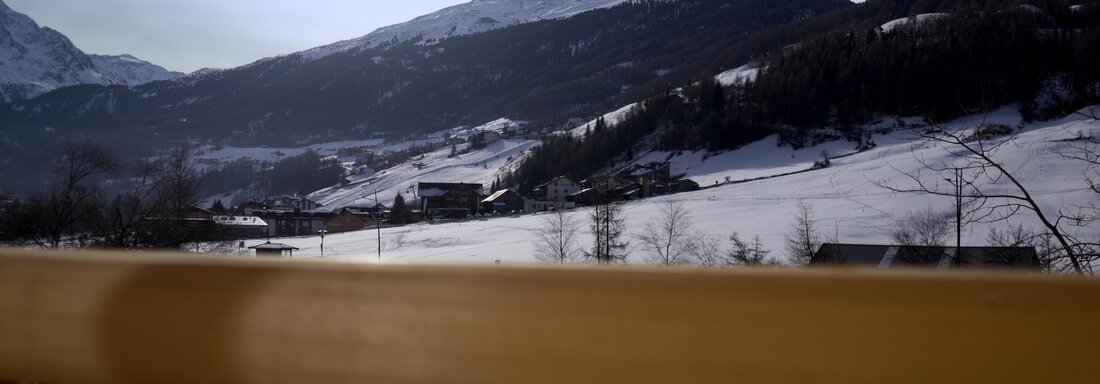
(322, 232)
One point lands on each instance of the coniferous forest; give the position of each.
(1043, 60)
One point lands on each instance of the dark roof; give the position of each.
(887, 256)
(501, 194)
(450, 186)
(273, 246)
(555, 179)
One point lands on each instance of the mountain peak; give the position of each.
(39, 59)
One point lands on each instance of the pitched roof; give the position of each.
(887, 256)
(555, 179)
(273, 246)
(241, 221)
(496, 195)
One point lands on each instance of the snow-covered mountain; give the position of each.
(36, 60)
(463, 19)
(130, 71)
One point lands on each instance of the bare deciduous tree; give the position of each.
(974, 166)
(121, 222)
(666, 240)
(556, 238)
(706, 249)
(923, 227)
(803, 238)
(745, 253)
(70, 204)
(1010, 244)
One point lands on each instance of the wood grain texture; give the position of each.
(101, 318)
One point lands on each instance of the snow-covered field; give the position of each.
(845, 202)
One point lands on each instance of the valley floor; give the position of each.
(846, 204)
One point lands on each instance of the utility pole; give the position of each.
(378, 223)
(958, 215)
(957, 183)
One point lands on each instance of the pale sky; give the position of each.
(186, 35)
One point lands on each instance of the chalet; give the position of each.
(683, 185)
(556, 190)
(486, 137)
(611, 188)
(651, 179)
(453, 200)
(348, 220)
(504, 201)
(894, 256)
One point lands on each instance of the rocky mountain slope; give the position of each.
(37, 60)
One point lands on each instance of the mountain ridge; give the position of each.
(462, 19)
(44, 60)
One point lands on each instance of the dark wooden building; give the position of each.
(502, 202)
(294, 223)
(452, 200)
(348, 221)
(894, 256)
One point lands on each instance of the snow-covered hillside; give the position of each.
(463, 19)
(35, 60)
(913, 21)
(451, 164)
(846, 204)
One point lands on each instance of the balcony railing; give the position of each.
(125, 318)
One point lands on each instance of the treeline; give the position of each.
(94, 199)
(74, 210)
(1041, 58)
(982, 56)
(300, 175)
(580, 157)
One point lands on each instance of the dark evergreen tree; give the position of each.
(218, 207)
(399, 213)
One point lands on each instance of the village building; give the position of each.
(896, 256)
(277, 250)
(503, 202)
(587, 196)
(683, 185)
(553, 194)
(278, 203)
(556, 190)
(651, 179)
(348, 221)
(451, 200)
(293, 223)
(241, 227)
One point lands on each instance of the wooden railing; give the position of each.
(108, 318)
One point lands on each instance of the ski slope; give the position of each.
(846, 204)
(477, 166)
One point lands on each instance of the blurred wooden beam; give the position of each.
(109, 318)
